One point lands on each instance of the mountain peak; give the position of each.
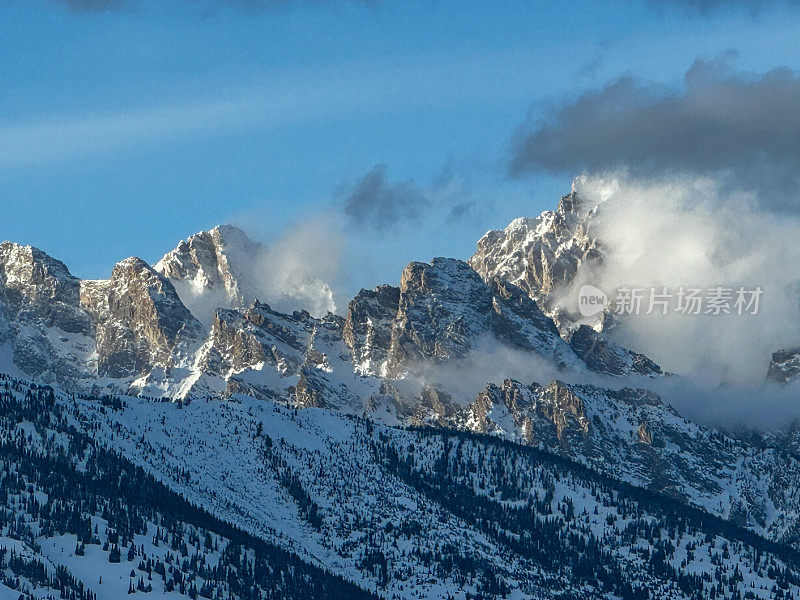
(14, 256)
(226, 231)
(571, 204)
(213, 268)
(132, 263)
(541, 255)
(37, 288)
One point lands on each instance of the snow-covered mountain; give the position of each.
(136, 331)
(542, 256)
(457, 435)
(224, 268)
(245, 498)
(551, 255)
(214, 269)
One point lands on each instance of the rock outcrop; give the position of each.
(35, 287)
(542, 255)
(605, 356)
(368, 329)
(784, 366)
(139, 321)
(214, 268)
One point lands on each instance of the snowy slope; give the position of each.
(365, 501)
(79, 521)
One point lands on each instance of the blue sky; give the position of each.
(123, 130)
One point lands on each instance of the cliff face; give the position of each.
(215, 268)
(133, 333)
(542, 255)
(368, 329)
(140, 322)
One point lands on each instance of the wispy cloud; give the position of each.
(334, 93)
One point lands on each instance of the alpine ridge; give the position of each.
(386, 451)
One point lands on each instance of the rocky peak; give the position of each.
(138, 292)
(213, 268)
(442, 311)
(570, 205)
(140, 320)
(541, 255)
(33, 285)
(446, 310)
(38, 276)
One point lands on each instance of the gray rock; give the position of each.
(443, 309)
(37, 287)
(139, 320)
(368, 329)
(604, 356)
(542, 255)
(784, 366)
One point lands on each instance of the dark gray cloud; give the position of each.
(376, 202)
(743, 128)
(459, 211)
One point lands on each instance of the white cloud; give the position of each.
(298, 269)
(685, 232)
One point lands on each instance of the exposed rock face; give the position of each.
(41, 320)
(541, 416)
(561, 406)
(446, 310)
(37, 287)
(240, 340)
(542, 255)
(368, 330)
(213, 269)
(644, 434)
(505, 410)
(140, 321)
(70, 332)
(444, 307)
(607, 357)
(517, 321)
(232, 347)
(784, 366)
(512, 307)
